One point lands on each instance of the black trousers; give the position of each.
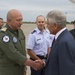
(39, 72)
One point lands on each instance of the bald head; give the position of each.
(14, 19)
(12, 13)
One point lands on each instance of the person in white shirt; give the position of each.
(38, 44)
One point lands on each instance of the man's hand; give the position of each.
(39, 64)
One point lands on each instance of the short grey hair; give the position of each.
(56, 16)
(40, 16)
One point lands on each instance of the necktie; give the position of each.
(53, 41)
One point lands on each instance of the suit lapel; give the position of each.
(52, 49)
(56, 43)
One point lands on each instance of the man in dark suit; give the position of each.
(61, 60)
(73, 30)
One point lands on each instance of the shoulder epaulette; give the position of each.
(46, 31)
(4, 29)
(33, 31)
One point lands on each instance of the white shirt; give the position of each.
(56, 36)
(39, 42)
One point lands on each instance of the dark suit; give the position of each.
(61, 60)
(73, 32)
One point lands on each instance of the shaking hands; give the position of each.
(39, 64)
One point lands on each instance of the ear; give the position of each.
(55, 25)
(9, 20)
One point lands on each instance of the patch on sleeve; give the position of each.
(14, 39)
(5, 38)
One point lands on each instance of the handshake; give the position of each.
(36, 65)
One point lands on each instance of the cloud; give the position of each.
(32, 8)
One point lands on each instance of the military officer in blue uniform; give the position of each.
(38, 45)
(12, 47)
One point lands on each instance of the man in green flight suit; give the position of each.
(12, 47)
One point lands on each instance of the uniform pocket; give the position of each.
(1, 53)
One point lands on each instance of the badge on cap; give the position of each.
(14, 39)
(6, 38)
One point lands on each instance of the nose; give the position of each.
(20, 22)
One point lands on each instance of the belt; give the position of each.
(42, 57)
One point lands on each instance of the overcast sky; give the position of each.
(30, 9)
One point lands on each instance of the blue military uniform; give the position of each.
(38, 42)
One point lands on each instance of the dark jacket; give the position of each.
(73, 32)
(61, 60)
